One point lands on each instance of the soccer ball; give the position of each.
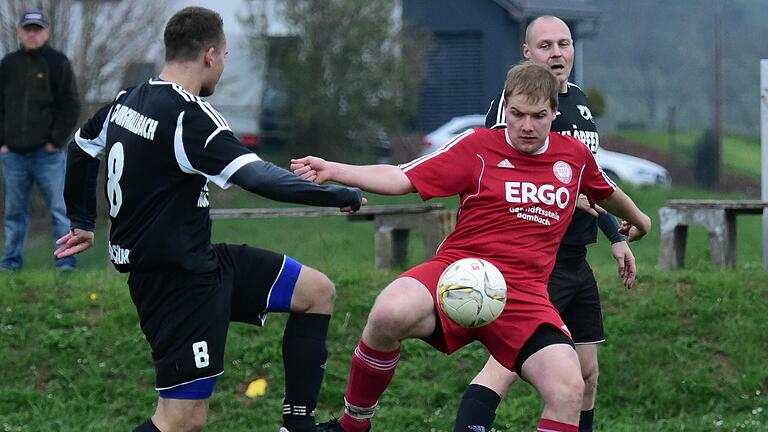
(472, 292)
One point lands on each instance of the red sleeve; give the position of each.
(594, 183)
(448, 171)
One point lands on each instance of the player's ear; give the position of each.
(526, 51)
(208, 57)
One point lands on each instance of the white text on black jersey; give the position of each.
(134, 122)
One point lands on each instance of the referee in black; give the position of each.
(163, 144)
(572, 286)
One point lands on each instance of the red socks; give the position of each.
(369, 377)
(546, 425)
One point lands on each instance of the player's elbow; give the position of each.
(645, 223)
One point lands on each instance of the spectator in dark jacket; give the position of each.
(39, 108)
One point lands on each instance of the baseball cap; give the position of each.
(35, 17)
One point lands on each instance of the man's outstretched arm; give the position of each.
(380, 179)
(270, 181)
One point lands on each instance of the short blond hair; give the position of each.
(534, 81)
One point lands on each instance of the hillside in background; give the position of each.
(681, 168)
(655, 59)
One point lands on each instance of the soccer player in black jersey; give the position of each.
(572, 286)
(163, 144)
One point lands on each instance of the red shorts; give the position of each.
(526, 309)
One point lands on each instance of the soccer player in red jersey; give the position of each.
(518, 189)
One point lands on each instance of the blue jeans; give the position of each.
(20, 171)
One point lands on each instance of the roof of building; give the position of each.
(582, 11)
(566, 9)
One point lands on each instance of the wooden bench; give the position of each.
(718, 217)
(393, 224)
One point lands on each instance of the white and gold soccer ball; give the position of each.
(472, 292)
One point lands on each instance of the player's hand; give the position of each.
(50, 148)
(625, 262)
(348, 209)
(4, 149)
(632, 232)
(582, 203)
(73, 242)
(312, 168)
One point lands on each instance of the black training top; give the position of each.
(163, 146)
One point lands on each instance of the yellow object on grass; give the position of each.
(257, 387)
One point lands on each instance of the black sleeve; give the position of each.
(80, 188)
(495, 116)
(270, 181)
(609, 225)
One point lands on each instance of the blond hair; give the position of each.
(533, 81)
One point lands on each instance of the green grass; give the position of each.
(741, 154)
(686, 350)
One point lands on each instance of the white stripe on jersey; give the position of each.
(607, 179)
(479, 182)
(178, 148)
(223, 178)
(501, 119)
(189, 97)
(578, 189)
(213, 114)
(213, 135)
(218, 119)
(95, 147)
(408, 166)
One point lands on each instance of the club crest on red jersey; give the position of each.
(562, 171)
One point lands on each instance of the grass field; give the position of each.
(686, 351)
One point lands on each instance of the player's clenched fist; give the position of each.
(311, 168)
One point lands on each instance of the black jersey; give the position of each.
(573, 119)
(162, 146)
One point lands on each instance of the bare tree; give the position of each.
(100, 37)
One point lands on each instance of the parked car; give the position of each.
(637, 171)
(619, 166)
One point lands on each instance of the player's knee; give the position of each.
(387, 319)
(568, 393)
(315, 293)
(590, 375)
(495, 377)
(196, 424)
(188, 421)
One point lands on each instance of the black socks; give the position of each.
(477, 409)
(304, 358)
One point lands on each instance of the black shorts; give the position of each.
(573, 291)
(185, 316)
(543, 337)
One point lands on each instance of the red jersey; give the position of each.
(514, 207)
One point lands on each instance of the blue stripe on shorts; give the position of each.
(195, 390)
(282, 290)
